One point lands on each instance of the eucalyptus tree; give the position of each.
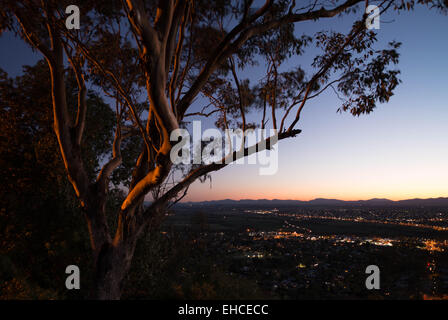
(156, 61)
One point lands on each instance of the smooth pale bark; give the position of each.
(113, 255)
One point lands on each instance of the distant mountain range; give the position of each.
(432, 202)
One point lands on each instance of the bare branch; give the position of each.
(245, 31)
(240, 94)
(82, 92)
(173, 80)
(115, 162)
(220, 54)
(205, 169)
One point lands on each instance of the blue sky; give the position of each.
(399, 151)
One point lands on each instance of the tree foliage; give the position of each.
(38, 206)
(158, 62)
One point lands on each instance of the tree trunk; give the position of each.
(112, 265)
(113, 258)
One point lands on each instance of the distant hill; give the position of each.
(432, 202)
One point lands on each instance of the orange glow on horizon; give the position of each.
(236, 196)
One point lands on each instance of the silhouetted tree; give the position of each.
(38, 205)
(155, 58)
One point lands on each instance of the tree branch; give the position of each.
(245, 32)
(205, 169)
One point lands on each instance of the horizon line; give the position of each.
(319, 198)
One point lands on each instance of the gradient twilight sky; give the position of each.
(399, 151)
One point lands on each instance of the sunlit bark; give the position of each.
(160, 45)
